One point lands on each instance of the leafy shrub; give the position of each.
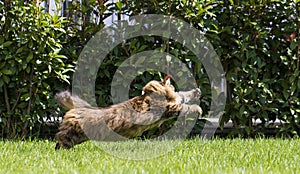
(32, 67)
(257, 42)
(261, 62)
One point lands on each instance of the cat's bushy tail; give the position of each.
(68, 101)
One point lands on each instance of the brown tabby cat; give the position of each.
(129, 119)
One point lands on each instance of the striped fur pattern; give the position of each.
(129, 119)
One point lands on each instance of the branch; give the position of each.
(298, 26)
(6, 99)
(29, 104)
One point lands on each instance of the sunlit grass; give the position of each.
(191, 156)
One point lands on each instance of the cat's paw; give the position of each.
(196, 109)
(196, 93)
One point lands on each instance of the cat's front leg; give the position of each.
(185, 109)
(194, 109)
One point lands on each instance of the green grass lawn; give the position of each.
(191, 156)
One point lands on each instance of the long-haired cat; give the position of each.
(129, 119)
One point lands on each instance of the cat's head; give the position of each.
(163, 88)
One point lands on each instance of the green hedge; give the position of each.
(32, 67)
(257, 42)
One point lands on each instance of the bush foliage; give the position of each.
(257, 42)
(32, 66)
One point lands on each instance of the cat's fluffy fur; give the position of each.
(129, 119)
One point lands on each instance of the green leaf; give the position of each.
(19, 50)
(7, 71)
(293, 45)
(25, 97)
(6, 44)
(286, 94)
(119, 5)
(142, 48)
(6, 79)
(29, 57)
(58, 57)
(140, 60)
(242, 110)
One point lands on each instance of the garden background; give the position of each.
(257, 41)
